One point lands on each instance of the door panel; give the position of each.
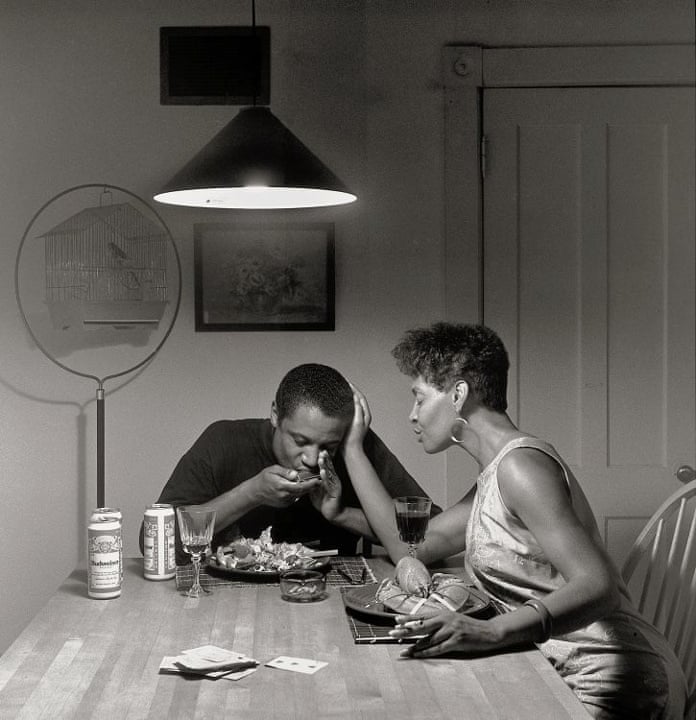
(589, 278)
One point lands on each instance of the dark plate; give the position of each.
(323, 565)
(360, 601)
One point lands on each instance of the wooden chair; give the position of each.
(660, 570)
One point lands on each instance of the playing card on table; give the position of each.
(168, 665)
(211, 661)
(295, 664)
(212, 653)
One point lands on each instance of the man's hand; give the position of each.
(277, 486)
(326, 496)
(362, 417)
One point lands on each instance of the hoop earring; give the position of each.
(453, 435)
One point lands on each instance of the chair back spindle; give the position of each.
(660, 568)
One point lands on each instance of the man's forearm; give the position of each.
(353, 519)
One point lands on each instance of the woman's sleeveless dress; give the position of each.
(620, 666)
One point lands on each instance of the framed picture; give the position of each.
(264, 276)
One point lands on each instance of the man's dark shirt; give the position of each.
(229, 452)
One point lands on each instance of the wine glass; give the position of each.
(412, 516)
(196, 531)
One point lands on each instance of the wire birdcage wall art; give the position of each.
(106, 265)
(100, 291)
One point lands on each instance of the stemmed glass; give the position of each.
(196, 531)
(412, 516)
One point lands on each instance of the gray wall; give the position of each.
(358, 81)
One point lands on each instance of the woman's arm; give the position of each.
(446, 531)
(533, 488)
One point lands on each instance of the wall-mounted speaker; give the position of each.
(227, 65)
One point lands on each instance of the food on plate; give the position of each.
(263, 555)
(412, 576)
(413, 591)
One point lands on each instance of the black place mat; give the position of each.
(354, 566)
(373, 625)
(367, 633)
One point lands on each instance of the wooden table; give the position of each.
(84, 658)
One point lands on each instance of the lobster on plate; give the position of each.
(414, 591)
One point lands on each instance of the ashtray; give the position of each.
(302, 585)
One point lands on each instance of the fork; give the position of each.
(352, 580)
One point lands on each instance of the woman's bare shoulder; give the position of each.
(528, 474)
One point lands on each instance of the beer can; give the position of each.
(104, 558)
(159, 548)
(107, 513)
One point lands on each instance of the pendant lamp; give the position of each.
(255, 162)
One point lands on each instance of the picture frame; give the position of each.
(264, 276)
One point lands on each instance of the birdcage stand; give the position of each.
(101, 502)
(116, 257)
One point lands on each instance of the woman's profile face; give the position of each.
(432, 415)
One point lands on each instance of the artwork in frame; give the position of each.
(264, 276)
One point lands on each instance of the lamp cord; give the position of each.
(255, 50)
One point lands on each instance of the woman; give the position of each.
(530, 539)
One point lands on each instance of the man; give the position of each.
(251, 471)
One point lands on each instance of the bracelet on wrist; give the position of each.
(544, 616)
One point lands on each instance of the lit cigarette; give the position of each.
(414, 623)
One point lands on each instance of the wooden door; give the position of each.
(588, 275)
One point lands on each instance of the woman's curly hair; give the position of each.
(445, 352)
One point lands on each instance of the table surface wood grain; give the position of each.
(85, 658)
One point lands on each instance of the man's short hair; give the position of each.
(445, 352)
(314, 385)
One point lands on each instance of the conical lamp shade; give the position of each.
(255, 162)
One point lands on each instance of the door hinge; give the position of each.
(483, 152)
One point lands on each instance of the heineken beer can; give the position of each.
(104, 558)
(158, 542)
